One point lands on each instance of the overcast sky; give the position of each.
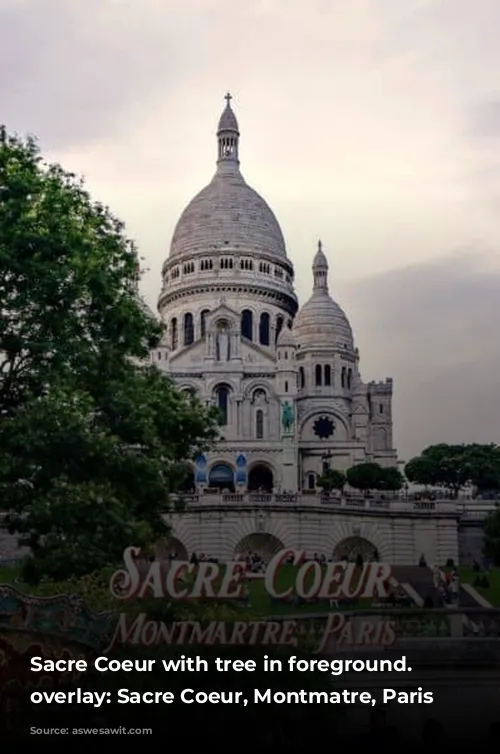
(371, 124)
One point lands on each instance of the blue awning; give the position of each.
(221, 474)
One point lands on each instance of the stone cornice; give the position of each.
(263, 293)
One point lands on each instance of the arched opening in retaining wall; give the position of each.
(353, 548)
(260, 477)
(263, 545)
(171, 549)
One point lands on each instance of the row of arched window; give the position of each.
(323, 377)
(247, 328)
(228, 263)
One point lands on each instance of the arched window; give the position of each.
(311, 481)
(264, 329)
(349, 378)
(302, 378)
(188, 329)
(203, 322)
(328, 375)
(343, 377)
(247, 324)
(318, 375)
(279, 326)
(259, 424)
(174, 334)
(223, 404)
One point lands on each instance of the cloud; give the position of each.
(370, 123)
(432, 327)
(77, 71)
(486, 120)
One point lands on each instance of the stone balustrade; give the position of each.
(382, 504)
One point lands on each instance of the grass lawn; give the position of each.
(262, 604)
(469, 576)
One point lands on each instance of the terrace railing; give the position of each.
(212, 498)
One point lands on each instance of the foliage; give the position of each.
(92, 440)
(491, 543)
(68, 279)
(364, 476)
(453, 466)
(372, 476)
(391, 479)
(331, 479)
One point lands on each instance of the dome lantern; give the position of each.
(228, 136)
(320, 270)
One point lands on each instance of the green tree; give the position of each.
(331, 479)
(391, 480)
(68, 280)
(453, 466)
(365, 476)
(491, 544)
(92, 440)
(422, 470)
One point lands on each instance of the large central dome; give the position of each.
(228, 214)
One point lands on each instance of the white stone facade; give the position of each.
(228, 302)
(286, 379)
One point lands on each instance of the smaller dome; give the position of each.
(228, 120)
(321, 322)
(320, 259)
(286, 338)
(146, 308)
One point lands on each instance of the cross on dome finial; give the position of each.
(228, 99)
(320, 246)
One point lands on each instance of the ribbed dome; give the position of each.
(146, 308)
(286, 338)
(321, 322)
(228, 120)
(228, 214)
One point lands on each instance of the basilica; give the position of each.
(285, 377)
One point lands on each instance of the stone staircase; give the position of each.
(467, 600)
(419, 579)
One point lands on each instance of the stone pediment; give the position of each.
(250, 355)
(189, 356)
(359, 408)
(255, 355)
(223, 312)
